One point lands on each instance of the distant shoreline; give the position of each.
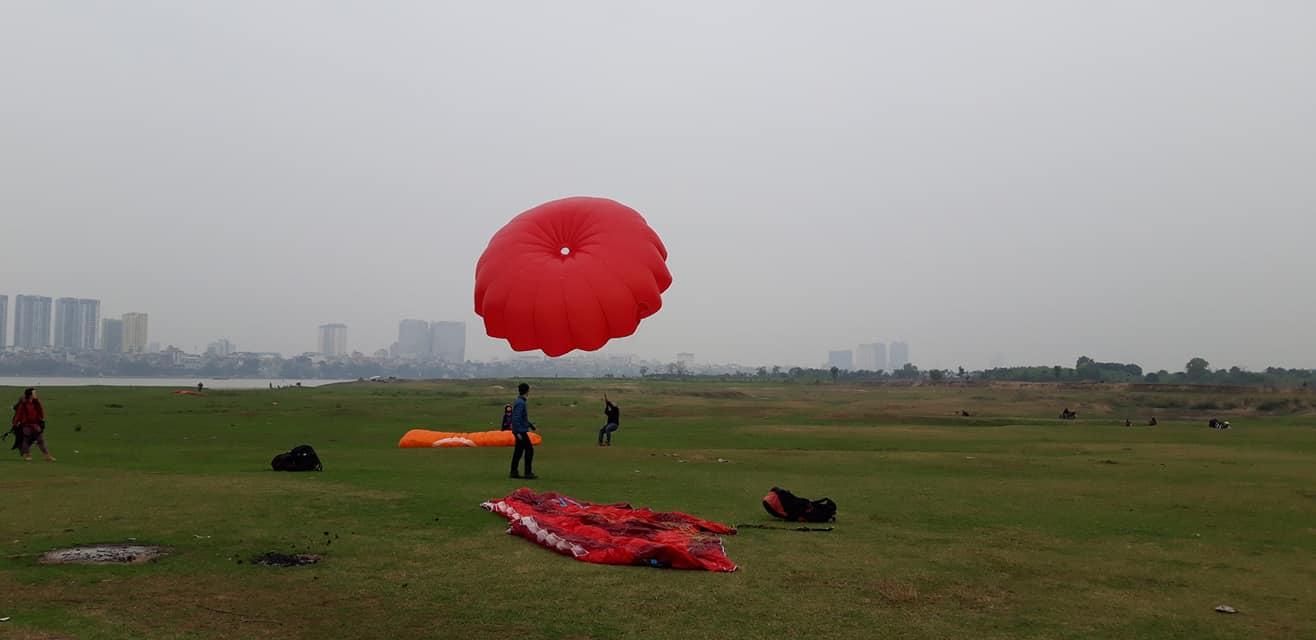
(160, 381)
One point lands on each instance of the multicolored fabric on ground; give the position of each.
(424, 439)
(614, 533)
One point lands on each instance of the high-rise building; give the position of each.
(68, 328)
(4, 321)
(90, 314)
(448, 341)
(112, 335)
(843, 360)
(32, 322)
(333, 340)
(221, 348)
(76, 323)
(135, 332)
(414, 339)
(685, 359)
(899, 355)
(871, 357)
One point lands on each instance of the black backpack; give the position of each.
(301, 458)
(788, 506)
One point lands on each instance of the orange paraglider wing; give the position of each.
(426, 439)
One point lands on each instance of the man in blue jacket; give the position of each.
(521, 428)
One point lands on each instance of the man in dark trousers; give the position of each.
(614, 420)
(521, 428)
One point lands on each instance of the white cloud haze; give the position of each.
(1039, 179)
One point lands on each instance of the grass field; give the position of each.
(1006, 524)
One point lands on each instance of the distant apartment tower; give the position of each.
(414, 340)
(32, 322)
(899, 355)
(843, 360)
(112, 335)
(685, 359)
(448, 341)
(76, 323)
(135, 332)
(89, 315)
(221, 348)
(333, 340)
(4, 321)
(871, 357)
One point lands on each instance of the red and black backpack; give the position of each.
(788, 506)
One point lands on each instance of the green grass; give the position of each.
(1008, 524)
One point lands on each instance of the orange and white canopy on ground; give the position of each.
(425, 439)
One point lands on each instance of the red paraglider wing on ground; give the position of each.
(571, 274)
(614, 533)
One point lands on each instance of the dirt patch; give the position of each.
(274, 559)
(105, 554)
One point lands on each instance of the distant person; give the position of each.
(199, 387)
(521, 428)
(1152, 422)
(1128, 423)
(613, 413)
(30, 425)
(507, 418)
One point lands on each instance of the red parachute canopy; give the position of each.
(570, 274)
(614, 533)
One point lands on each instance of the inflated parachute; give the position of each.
(570, 274)
(425, 439)
(614, 533)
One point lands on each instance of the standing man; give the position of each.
(521, 428)
(30, 425)
(613, 413)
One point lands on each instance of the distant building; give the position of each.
(76, 324)
(414, 339)
(843, 360)
(4, 321)
(871, 357)
(89, 313)
(685, 359)
(333, 340)
(32, 322)
(135, 333)
(899, 355)
(112, 335)
(448, 341)
(221, 348)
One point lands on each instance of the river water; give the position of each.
(235, 383)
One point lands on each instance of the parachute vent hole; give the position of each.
(566, 251)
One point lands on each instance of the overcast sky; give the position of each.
(1023, 182)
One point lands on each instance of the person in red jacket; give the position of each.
(30, 425)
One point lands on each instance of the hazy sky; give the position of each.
(1030, 181)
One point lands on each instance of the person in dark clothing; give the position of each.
(29, 424)
(521, 428)
(507, 418)
(613, 413)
